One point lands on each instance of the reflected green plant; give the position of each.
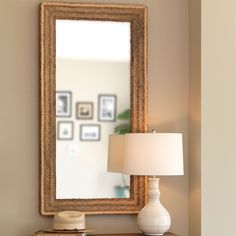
(123, 128)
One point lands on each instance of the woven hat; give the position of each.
(69, 220)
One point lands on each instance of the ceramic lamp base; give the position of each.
(154, 219)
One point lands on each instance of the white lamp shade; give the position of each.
(153, 154)
(115, 153)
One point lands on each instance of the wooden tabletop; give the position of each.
(69, 233)
(129, 234)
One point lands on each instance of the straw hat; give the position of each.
(69, 220)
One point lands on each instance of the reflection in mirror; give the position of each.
(92, 101)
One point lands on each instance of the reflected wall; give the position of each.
(92, 90)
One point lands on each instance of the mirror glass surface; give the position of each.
(92, 101)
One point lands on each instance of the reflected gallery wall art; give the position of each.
(84, 110)
(107, 108)
(65, 130)
(89, 132)
(63, 103)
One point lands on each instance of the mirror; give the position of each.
(93, 83)
(92, 94)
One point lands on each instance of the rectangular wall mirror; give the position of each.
(93, 84)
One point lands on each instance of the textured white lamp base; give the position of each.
(154, 219)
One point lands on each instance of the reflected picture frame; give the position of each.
(107, 107)
(65, 130)
(63, 103)
(90, 132)
(84, 110)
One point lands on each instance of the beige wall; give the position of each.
(195, 118)
(19, 89)
(218, 163)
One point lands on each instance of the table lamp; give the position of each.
(152, 154)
